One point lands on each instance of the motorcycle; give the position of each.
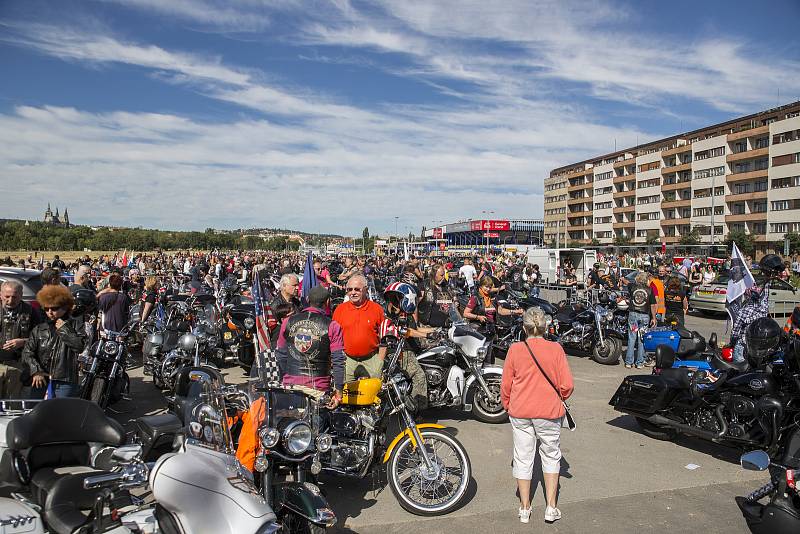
(291, 445)
(105, 377)
(587, 328)
(237, 325)
(735, 404)
(428, 470)
(457, 375)
(781, 514)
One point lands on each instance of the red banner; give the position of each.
(442, 246)
(437, 233)
(490, 225)
(491, 234)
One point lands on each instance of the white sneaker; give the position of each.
(524, 515)
(551, 514)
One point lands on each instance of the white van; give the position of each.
(550, 261)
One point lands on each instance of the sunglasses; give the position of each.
(349, 289)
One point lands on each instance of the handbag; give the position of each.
(567, 421)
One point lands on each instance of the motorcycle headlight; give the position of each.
(249, 322)
(297, 437)
(269, 437)
(481, 352)
(110, 347)
(324, 442)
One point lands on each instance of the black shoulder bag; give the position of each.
(567, 421)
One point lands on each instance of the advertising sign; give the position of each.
(491, 234)
(490, 225)
(437, 233)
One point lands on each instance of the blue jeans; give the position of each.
(60, 389)
(640, 320)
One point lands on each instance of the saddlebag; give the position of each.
(661, 336)
(644, 394)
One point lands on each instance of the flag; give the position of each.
(50, 393)
(663, 247)
(265, 321)
(309, 278)
(740, 279)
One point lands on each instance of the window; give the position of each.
(762, 142)
(719, 210)
(706, 173)
(702, 193)
(783, 205)
(702, 212)
(604, 205)
(761, 185)
(760, 228)
(650, 216)
(741, 189)
(604, 190)
(786, 159)
(739, 146)
(603, 235)
(649, 166)
(784, 228)
(603, 176)
(759, 206)
(602, 220)
(786, 137)
(710, 153)
(791, 181)
(685, 212)
(655, 182)
(719, 191)
(647, 200)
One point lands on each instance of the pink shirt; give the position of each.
(524, 391)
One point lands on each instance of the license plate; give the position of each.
(228, 336)
(704, 292)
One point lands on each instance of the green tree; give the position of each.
(622, 240)
(794, 242)
(652, 239)
(692, 238)
(365, 233)
(744, 241)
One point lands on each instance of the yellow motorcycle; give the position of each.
(427, 469)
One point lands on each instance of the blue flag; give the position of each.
(309, 278)
(50, 393)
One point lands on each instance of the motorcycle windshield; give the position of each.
(205, 411)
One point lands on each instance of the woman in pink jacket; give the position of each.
(536, 410)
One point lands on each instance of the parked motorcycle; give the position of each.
(781, 514)
(105, 378)
(237, 325)
(587, 328)
(428, 470)
(457, 375)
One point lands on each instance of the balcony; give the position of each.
(676, 186)
(748, 154)
(752, 132)
(623, 225)
(573, 228)
(750, 175)
(676, 168)
(742, 217)
(624, 163)
(583, 213)
(671, 239)
(675, 221)
(756, 195)
(624, 178)
(625, 194)
(580, 187)
(576, 201)
(677, 203)
(677, 150)
(624, 209)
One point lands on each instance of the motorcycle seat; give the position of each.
(68, 506)
(154, 426)
(684, 333)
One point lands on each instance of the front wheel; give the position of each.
(98, 393)
(607, 353)
(292, 523)
(489, 408)
(434, 490)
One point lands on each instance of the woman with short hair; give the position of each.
(535, 409)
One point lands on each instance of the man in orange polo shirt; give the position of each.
(360, 319)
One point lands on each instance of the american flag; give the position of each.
(265, 321)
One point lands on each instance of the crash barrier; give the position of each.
(556, 293)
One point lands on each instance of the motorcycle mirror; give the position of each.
(755, 461)
(712, 340)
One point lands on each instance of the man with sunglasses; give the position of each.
(17, 319)
(360, 320)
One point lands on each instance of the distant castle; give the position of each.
(56, 220)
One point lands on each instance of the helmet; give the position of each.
(762, 337)
(85, 301)
(187, 342)
(603, 299)
(771, 263)
(401, 295)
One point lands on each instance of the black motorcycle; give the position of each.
(105, 377)
(238, 326)
(740, 404)
(781, 514)
(589, 328)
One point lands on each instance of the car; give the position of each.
(30, 279)
(711, 298)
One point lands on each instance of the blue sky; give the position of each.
(328, 116)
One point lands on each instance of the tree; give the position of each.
(794, 242)
(365, 233)
(744, 241)
(692, 238)
(622, 240)
(652, 239)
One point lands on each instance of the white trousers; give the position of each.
(525, 433)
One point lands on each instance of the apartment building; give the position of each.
(742, 174)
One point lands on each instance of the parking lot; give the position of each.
(615, 479)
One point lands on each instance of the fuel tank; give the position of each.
(441, 356)
(755, 383)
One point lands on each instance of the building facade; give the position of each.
(56, 219)
(741, 175)
(482, 233)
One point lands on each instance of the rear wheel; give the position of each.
(652, 430)
(607, 353)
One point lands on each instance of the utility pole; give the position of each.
(713, 202)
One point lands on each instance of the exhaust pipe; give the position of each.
(688, 429)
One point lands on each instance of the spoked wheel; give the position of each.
(607, 353)
(294, 524)
(489, 409)
(434, 490)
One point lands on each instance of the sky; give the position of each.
(329, 116)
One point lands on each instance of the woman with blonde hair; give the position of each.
(149, 298)
(536, 380)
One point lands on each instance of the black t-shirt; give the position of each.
(115, 308)
(673, 301)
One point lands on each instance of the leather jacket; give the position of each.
(16, 323)
(55, 351)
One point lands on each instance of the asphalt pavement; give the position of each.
(614, 479)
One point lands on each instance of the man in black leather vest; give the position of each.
(310, 347)
(17, 319)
